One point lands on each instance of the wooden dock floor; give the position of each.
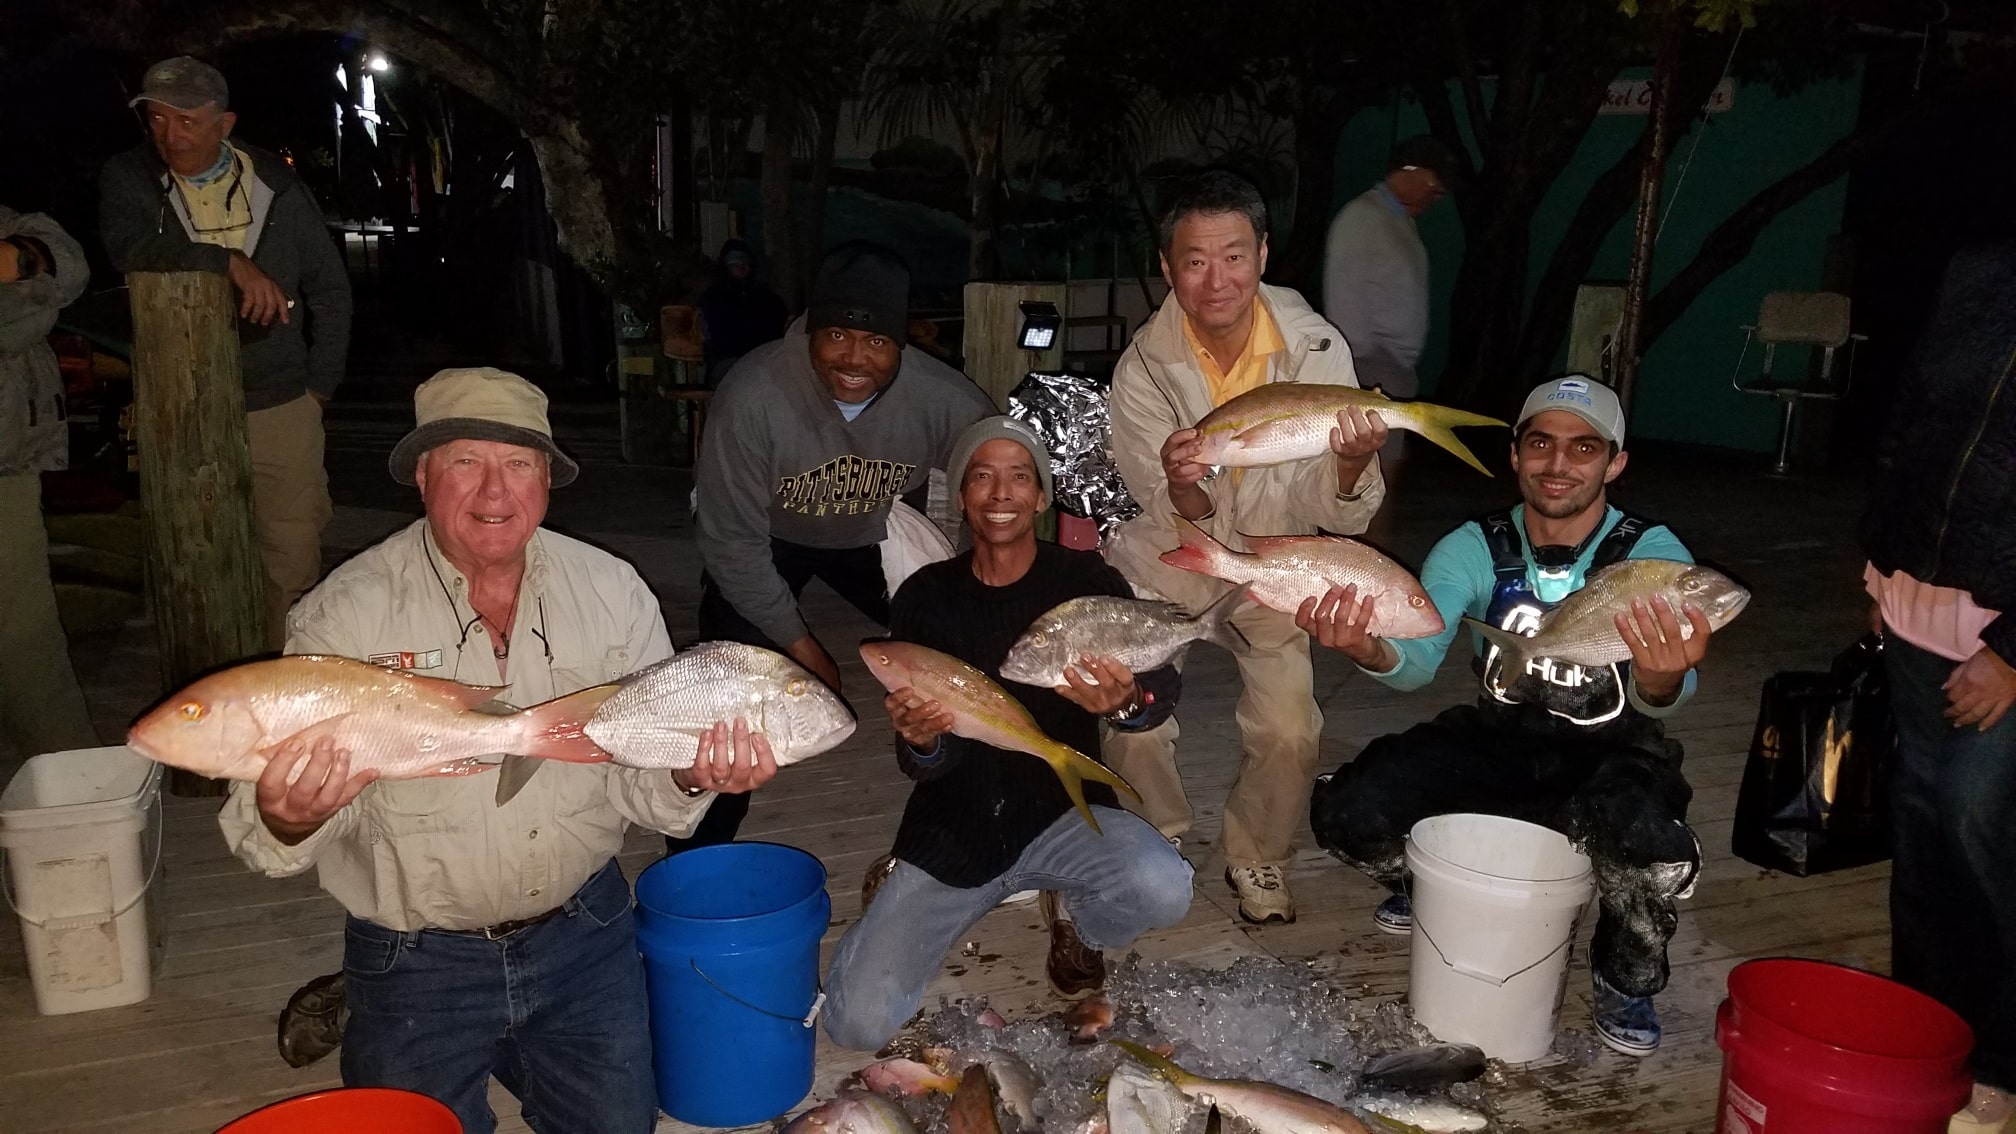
(201, 1050)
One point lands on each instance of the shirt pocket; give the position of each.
(577, 669)
(433, 805)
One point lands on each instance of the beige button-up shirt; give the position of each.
(438, 853)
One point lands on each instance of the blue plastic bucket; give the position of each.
(730, 936)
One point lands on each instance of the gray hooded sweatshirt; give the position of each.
(34, 429)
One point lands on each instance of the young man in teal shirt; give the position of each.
(1579, 749)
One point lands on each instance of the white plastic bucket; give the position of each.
(82, 836)
(1495, 906)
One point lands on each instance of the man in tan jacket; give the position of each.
(1220, 333)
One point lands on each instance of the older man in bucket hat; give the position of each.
(486, 937)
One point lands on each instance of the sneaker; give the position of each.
(311, 1026)
(1263, 892)
(1395, 915)
(1988, 1112)
(1075, 969)
(1628, 1024)
(878, 873)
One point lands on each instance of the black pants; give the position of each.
(854, 573)
(1617, 793)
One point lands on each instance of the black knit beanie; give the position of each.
(863, 287)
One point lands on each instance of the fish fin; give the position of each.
(1074, 768)
(1196, 550)
(1426, 1067)
(1512, 646)
(1217, 622)
(512, 776)
(557, 729)
(1435, 426)
(1393, 1124)
(1160, 1065)
(466, 696)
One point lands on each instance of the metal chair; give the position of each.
(1804, 318)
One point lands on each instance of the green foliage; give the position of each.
(1709, 15)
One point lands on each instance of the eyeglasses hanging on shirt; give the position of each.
(501, 650)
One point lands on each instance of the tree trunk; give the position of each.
(685, 185)
(822, 178)
(1298, 259)
(1651, 184)
(780, 229)
(984, 192)
(195, 480)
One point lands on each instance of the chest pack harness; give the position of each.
(1583, 695)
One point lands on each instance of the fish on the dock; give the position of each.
(401, 725)
(1426, 1067)
(1140, 1103)
(1266, 1107)
(853, 1112)
(972, 1109)
(1435, 1116)
(1291, 421)
(1088, 1019)
(983, 711)
(1582, 630)
(1141, 634)
(905, 1077)
(1283, 571)
(657, 715)
(1015, 1086)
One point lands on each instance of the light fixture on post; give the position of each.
(1040, 324)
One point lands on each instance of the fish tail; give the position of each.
(1196, 551)
(1216, 622)
(1074, 768)
(557, 729)
(1165, 1068)
(1512, 646)
(1435, 427)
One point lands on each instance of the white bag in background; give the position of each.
(913, 541)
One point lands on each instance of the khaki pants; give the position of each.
(41, 706)
(290, 504)
(1279, 725)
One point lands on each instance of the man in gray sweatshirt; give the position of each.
(809, 439)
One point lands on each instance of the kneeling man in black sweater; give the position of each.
(984, 823)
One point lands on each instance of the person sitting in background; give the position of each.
(983, 823)
(486, 938)
(738, 313)
(41, 271)
(1940, 532)
(1578, 749)
(808, 441)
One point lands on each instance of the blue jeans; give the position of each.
(1115, 886)
(1953, 881)
(556, 1011)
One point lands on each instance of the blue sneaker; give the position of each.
(1395, 915)
(1628, 1024)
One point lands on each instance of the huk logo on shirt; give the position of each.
(408, 659)
(844, 486)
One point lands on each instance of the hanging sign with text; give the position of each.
(1634, 96)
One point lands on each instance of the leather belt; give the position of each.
(505, 929)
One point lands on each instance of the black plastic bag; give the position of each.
(1816, 790)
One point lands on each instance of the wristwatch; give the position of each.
(1135, 706)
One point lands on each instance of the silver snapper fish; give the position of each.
(1583, 630)
(1282, 571)
(1435, 1116)
(1140, 634)
(657, 715)
(853, 1112)
(1291, 421)
(1266, 1107)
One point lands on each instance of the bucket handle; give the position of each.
(806, 1019)
(86, 921)
(1472, 971)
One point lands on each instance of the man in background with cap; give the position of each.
(1579, 749)
(193, 201)
(1375, 268)
(808, 441)
(486, 937)
(738, 312)
(983, 823)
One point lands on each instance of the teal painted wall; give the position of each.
(1683, 392)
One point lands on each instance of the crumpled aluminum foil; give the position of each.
(1068, 411)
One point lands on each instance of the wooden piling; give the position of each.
(203, 574)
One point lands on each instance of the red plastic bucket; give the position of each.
(350, 1110)
(1814, 1048)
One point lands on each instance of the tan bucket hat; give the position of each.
(479, 403)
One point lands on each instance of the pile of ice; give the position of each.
(1260, 1019)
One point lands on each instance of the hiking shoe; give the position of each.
(1075, 969)
(878, 873)
(1263, 892)
(311, 1026)
(1628, 1024)
(1395, 915)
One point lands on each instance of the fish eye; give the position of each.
(1416, 601)
(194, 710)
(1039, 638)
(796, 688)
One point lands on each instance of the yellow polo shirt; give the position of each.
(221, 212)
(1249, 370)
